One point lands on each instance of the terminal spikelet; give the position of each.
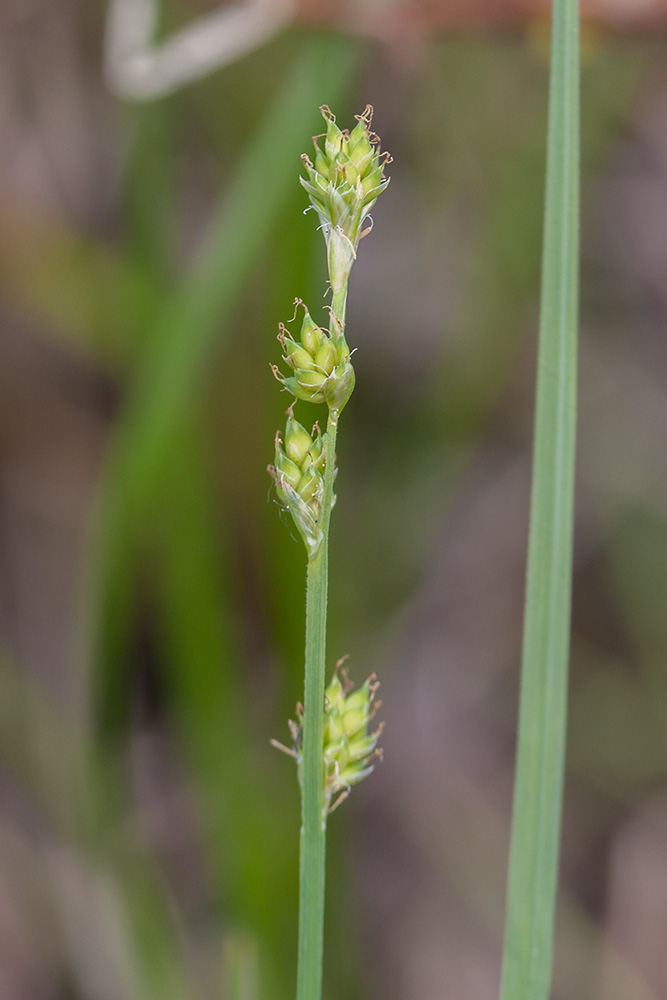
(347, 177)
(343, 183)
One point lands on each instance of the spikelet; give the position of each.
(298, 476)
(343, 183)
(349, 749)
(323, 372)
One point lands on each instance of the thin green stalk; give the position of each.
(313, 832)
(313, 827)
(533, 877)
(333, 755)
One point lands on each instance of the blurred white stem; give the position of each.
(137, 69)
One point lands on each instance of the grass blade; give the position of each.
(528, 954)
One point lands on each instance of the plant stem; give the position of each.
(528, 955)
(313, 822)
(313, 831)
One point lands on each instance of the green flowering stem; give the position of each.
(338, 309)
(343, 184)
(313, 832)
(313, 820)
(313, 823)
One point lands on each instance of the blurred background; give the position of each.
(151, 594)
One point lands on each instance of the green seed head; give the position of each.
(349, 749)
(343, 183)
(298, 476)
(323, 372)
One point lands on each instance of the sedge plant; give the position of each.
(332, 742)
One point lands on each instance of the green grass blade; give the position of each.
(528, 955)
